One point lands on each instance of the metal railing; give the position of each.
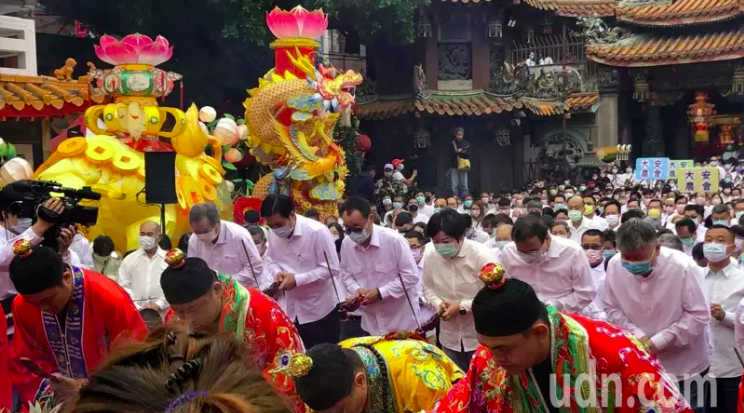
(561, 51)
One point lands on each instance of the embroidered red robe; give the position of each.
(100, 316)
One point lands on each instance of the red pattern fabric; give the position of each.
(487, 387)
(270, 335)
(110, 320)
(6, 390)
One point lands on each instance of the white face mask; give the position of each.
(283, 232)
(147, 243)
(359, 236)
(612, 219)
(22, 225)
(207, 237)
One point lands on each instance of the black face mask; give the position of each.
(413, 208)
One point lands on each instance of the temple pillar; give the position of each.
(607, 120)
(653, 145)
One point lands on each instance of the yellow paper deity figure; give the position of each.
(292, 113)
(112, 161)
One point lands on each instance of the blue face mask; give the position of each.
(607, 254)
(643, 268)
(601, 210)
(398, 205)
(501, 244)
(560, 206)
(724, 223)
(468, 203)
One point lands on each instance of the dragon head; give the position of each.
(343, 87)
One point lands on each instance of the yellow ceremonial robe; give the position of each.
(403, 375)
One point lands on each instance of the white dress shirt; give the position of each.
(594, 310)
(422, 218)
(381, 265)
(427, 210)
(83, 249)
(576, 233)
(669, 306)
(455, 279)
(228, 254)
(599, 223)
(479, 236)
(739, 326)
(726, 288)
(560, 278)
(139, 275)
(304, 255)
(7, 239)
(426, 310)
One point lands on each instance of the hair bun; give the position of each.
(492, 274)
(22, 248)
(175, 258)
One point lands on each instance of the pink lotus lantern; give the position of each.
(135, 75)
(297, 23)
(296, 29)
(134, 49)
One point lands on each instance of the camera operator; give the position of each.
(13, 228)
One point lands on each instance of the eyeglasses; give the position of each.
(595, 247)
(349, 231)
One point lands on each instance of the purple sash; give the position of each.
(68, 347)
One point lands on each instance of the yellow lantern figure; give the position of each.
(112, 161)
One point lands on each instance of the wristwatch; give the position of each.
(463, 311)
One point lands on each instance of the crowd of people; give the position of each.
(402, 301)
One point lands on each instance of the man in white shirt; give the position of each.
(451, 267)
(425, 203)
(379, 268)
(82, 248)
(556, 268)
(592, 242)
(725, 282)
(416, 215)
(139, 273)
(686, 231)
(697, 214)
(578, 223)
(612, 214)
(13, 227)
(300, 252)
(225, 246)
(590, 213)
(417, 244)
(657, 294)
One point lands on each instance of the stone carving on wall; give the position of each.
(608, 79)
(509, 79)
(554, 84)
(420, 88)
(595, 30)
(366, 92)
(455, 61)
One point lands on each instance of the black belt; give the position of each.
(7, 305)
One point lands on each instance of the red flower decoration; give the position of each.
(492, 275)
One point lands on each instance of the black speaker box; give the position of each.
(160, 178)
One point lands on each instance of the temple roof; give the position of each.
(680, 12)
(44, 96)
(576, 8)
(654, 50)
(473, 103)
(648, 13)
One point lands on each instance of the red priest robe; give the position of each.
(100, 316)
(614, 373)
(6, 391)
(271, 337)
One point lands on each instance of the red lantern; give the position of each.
(363, 143)
(700, 114)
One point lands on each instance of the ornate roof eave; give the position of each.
(679, 13)
(577, 8)
(650, 50)
(24, 96)
(473, 103)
